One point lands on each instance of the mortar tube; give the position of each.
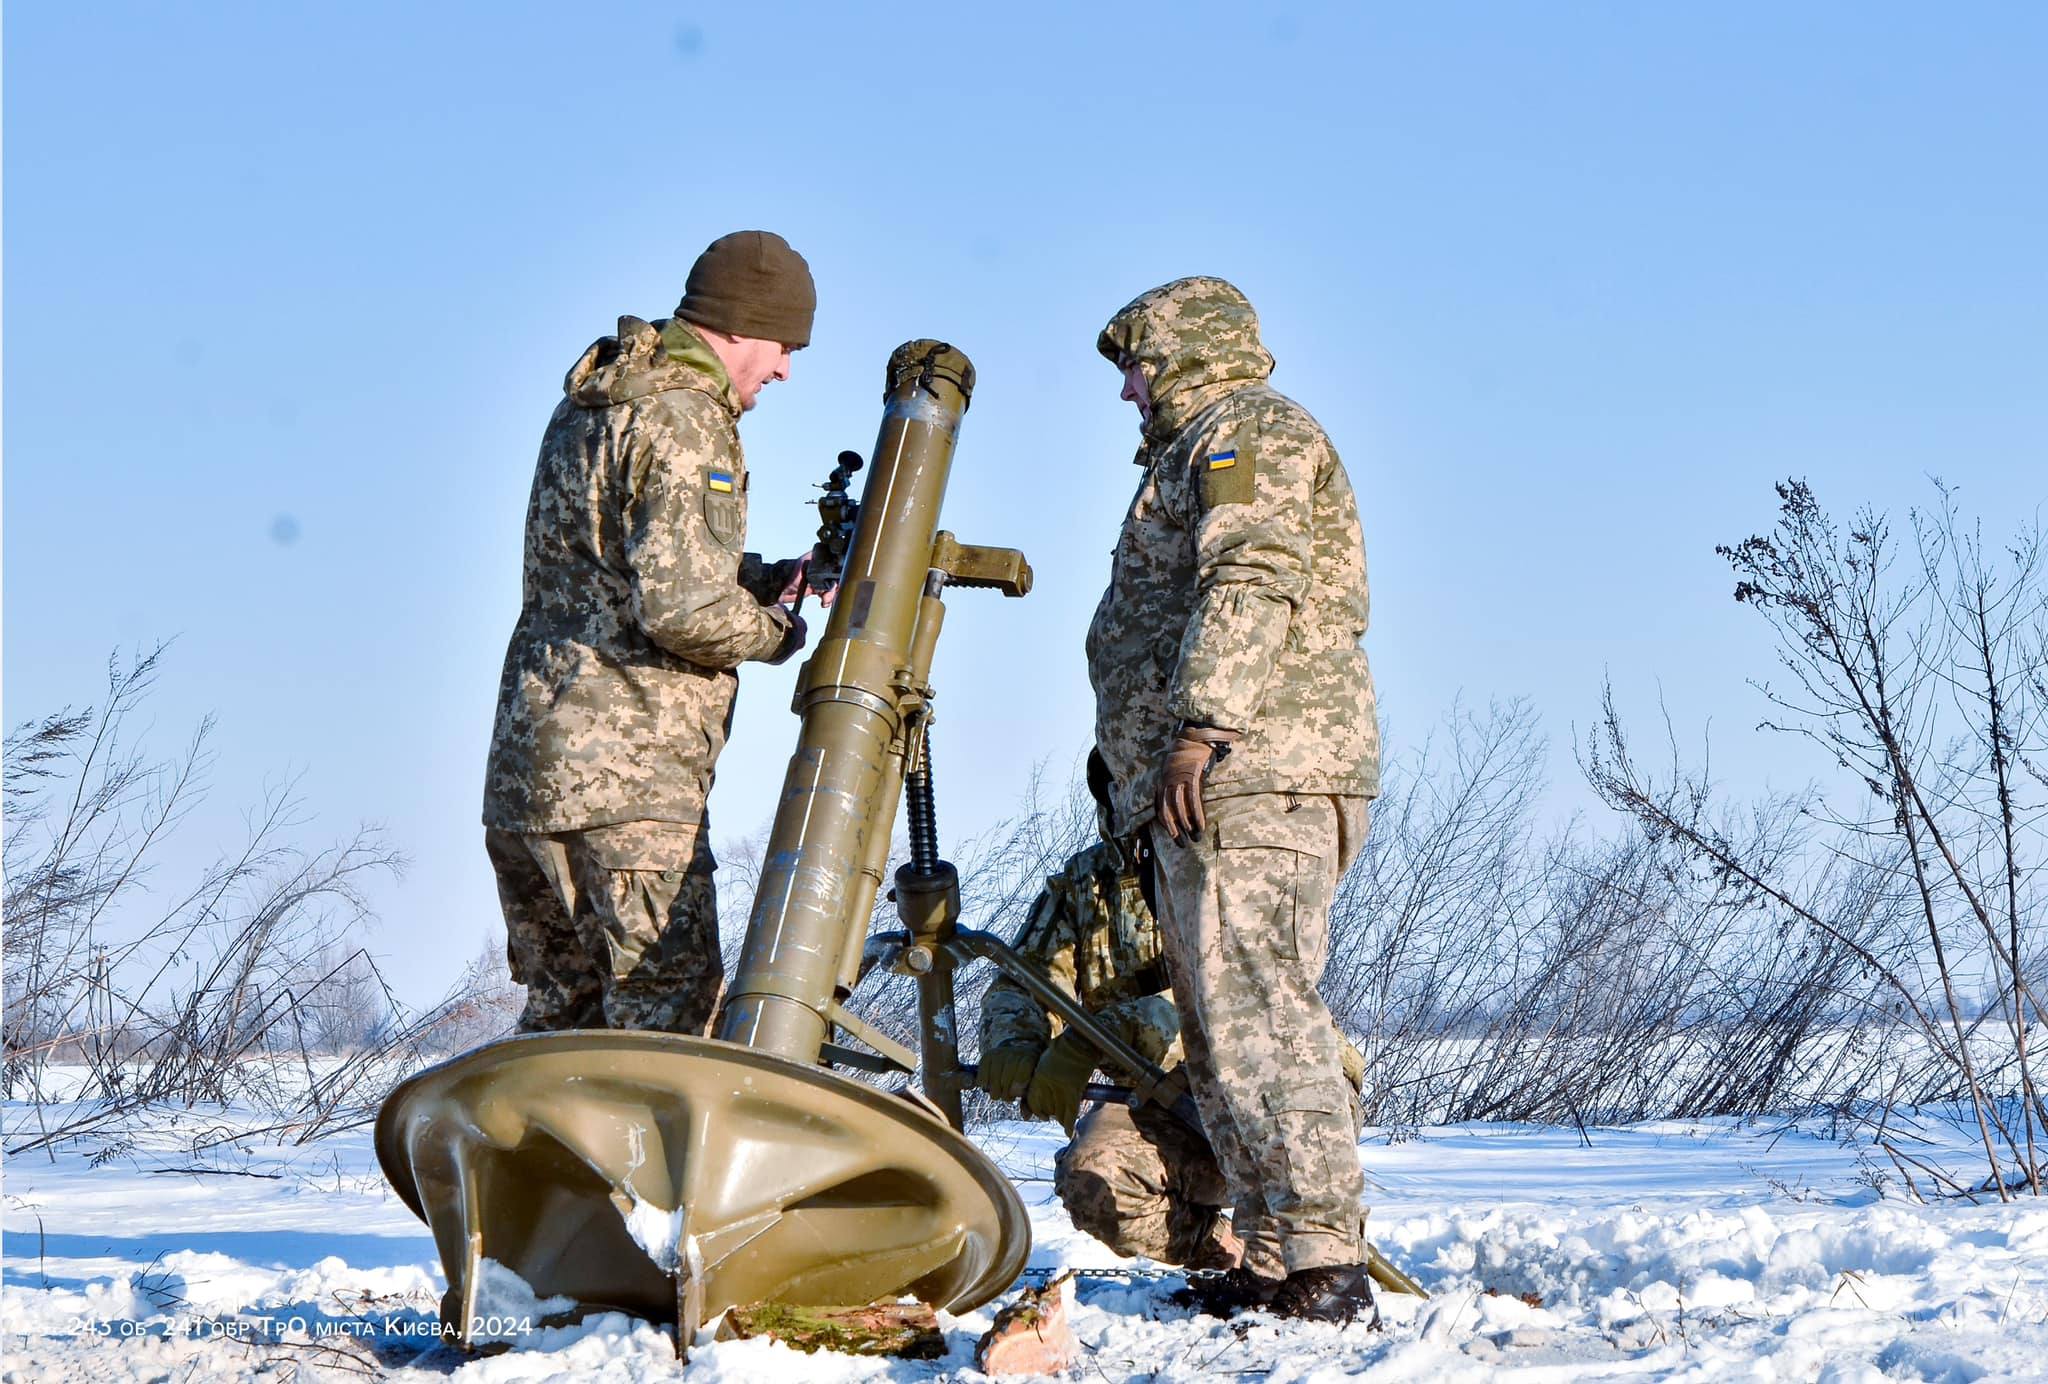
(860, 899)
(915, 704)
(931, 617)
(838, 801)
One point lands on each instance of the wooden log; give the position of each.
(1031, 1335)
(908, 1330)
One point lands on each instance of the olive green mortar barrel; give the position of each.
(858, 694)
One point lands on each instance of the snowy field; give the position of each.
(1693, 1250)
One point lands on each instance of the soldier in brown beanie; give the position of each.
(637, 608)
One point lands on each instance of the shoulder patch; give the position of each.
(1227, 476)
(725, 506)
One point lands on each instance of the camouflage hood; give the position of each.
(1197, 340)
(648, 358)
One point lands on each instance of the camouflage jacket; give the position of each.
(637, 603)
(1237, 596)
(1092, 935)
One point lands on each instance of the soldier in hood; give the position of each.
(1235, 711)
(637, 607)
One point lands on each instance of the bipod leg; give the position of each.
(928, 900)
(1149, 1083)
(939, 1039)
(1387, 1276)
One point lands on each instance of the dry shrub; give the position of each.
(244, 983)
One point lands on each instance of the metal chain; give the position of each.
(1122, 1275)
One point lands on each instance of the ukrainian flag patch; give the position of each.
(1225, 481)
(721, 481)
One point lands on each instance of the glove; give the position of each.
(1354, 1063)
(792, 638)
(1179, 804)
(1061, 1079)
(1005, 1071)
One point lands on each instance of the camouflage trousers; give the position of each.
(1245, 920)
(1145, 1184)
(612, 927)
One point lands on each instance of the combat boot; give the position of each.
(1219, 1248)
(1337, 1293)
(1226, 1294)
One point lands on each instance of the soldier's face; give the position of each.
(1138, 390)
(750, 362)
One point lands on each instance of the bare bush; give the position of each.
(483, 1005)
(121, 994)
(342, 1005)
(1918, 676)
(1488, 973)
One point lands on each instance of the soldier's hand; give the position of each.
(800, 584)
(1061, 1080)
(1179, 804)
(792, 638)
(1005, 1071)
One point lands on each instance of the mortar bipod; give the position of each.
(932, 948)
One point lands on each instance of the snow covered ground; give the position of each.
(1674, 1250)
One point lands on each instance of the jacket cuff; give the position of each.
(783, 628)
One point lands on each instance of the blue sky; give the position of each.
(290, 290)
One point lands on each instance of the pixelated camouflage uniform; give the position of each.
(1138, 1179)
(637, 605)
(1237, 600)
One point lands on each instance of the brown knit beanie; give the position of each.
(750, 283)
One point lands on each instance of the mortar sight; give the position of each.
(838, 516)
